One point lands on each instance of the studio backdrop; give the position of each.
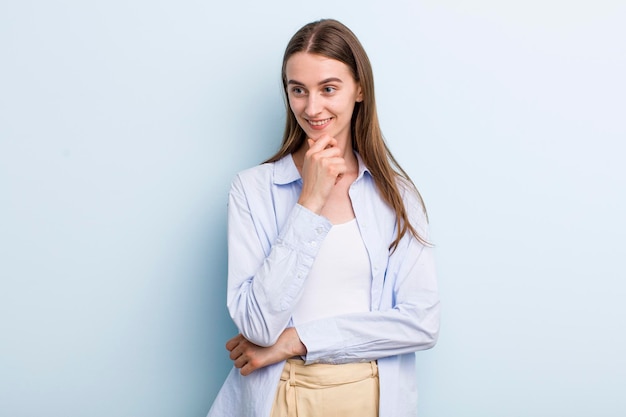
(122, 124)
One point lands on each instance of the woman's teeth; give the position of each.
(318, 122)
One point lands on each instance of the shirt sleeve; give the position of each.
(408, 324)
(265, 280)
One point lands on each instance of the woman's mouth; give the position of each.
(319, 124)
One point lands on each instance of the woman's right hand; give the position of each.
(249, 357)
(323, 166)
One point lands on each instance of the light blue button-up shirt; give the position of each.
(272, 243)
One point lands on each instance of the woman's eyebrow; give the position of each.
(331, 80)
(327, 80)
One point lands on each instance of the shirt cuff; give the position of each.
(322, 339)
(305, 231)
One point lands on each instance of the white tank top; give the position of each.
(340, 279)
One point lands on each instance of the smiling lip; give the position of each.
(319, 124)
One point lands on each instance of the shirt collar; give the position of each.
(285, 171)
(362, 168)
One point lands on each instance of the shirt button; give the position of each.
(314, 243)
(319, 230)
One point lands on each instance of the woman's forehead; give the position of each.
(308, 67)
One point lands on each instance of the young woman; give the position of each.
(330, 275)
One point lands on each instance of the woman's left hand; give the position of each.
(249, 357)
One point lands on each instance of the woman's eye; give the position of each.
(329, 90)
(297, 91)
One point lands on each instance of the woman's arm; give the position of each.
(249, 357)
(411, 324)
(266, 277)
(266, 273)
(406, 316)
(408, 324)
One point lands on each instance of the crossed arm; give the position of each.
(249, 357)
(260, 299)
(323, 165)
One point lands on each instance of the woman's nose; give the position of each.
(313, 105)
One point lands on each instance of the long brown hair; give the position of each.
(334, 40)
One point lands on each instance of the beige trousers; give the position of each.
(321, 390)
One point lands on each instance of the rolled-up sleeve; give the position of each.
(265, 280)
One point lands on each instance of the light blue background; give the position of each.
(123, 122)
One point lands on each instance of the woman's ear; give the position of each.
(359, 95)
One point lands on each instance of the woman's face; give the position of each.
(322, 94)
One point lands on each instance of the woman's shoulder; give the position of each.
(262, 170)
(264, 175)
(409, 192)
(253, 177)
(413, 203)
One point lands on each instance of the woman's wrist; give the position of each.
(293, 344)
(311, 204)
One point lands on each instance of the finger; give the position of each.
(246, 370)
(330, 152)
(328, 156)
(331, 142)
(238, 350)
(235, 353)
(230, 345)
(332, 162)
(324, 141)
(241, 361)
